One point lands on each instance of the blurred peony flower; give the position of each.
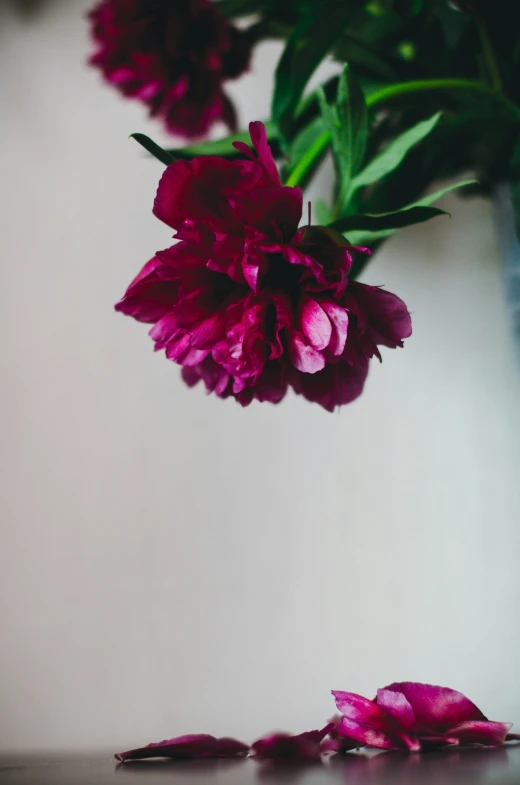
(173, 55)
(283, 746)
(247, 301)
(199, 745)
(410, 715)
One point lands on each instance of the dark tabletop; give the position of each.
(470, 766)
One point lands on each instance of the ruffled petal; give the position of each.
(193, 191)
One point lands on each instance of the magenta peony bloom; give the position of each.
(283, 746)
(410, 715)
(173, 55)
(247, 301)
(199, 745)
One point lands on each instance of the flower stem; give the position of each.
(489, 55)
(307, 160)
(394, 91)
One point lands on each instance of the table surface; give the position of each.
(469, 766)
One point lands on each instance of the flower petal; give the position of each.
(359, 709)
(315, 323)
(365, 734)
(259, 139)
(437, 708)
(192, 191)
(283, 746)
(481, 732)
(339, 320)
(149, 297)
(395, 705)
(387, 314)
(199, 745)
(304, 357)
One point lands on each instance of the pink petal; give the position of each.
(205, 333)
(198, 745)
(192, 191)
(358, 708)
(259, 140)
(315, 323)
(481, 732)
(365, 734)
(395, 705)
(437, 708)
(283, 746)
(387, 314)
(304, 357)
(339, 319)
(149, 297)
(165, 330)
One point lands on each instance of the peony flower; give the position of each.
(173, 55)
(199, 745)
(410, 715)
(283, 746)
(247, 301)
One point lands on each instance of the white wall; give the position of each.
(173, 563)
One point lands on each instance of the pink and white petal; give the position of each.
(397, 706)
(339, 320)
(359, 709)
(304, 357)
(315, 323)
(366, 735)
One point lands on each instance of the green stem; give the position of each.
(394, 91)
(427, 85)
(307, 160)
(489, 55)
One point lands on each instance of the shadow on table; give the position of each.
(187, 769)
(442, 767)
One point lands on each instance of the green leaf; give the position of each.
(363, 234)
(390, 158)
(433, 197)
(164, 156)
(349, 140)
(357, 53)
(233, 8)
(323, 214)
(366, 238)
(384, 221)
(222, 147)
(311, 40)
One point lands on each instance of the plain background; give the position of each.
(171, 563)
